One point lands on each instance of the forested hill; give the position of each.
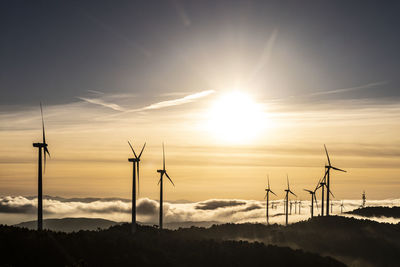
(393, 212)
(116, 246)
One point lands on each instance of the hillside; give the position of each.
(393, 212)
(352, 241)
(148, 247)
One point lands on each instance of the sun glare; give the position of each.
(235, 118)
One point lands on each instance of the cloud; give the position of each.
(98, 101)
(343, 90)
(215, 204)
(163, 104)
(176, 102)
(16, 205)
(182, 13)
(213, 210)
(147, 207)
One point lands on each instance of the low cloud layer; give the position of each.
(212, 210)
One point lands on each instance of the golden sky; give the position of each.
(213, 150)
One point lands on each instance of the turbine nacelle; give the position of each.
(39, 145)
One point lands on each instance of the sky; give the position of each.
(237, 90)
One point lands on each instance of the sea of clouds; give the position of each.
(15, 209)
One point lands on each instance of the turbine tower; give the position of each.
(41, 146)
(341, 207)
(268, 190)
(328, 171)
(135, 162)
(287, 197)
(160, 182)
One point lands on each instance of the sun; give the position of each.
(235, 118)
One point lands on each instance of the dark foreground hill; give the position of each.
(352, 241)
(70, 224)
(393, 212)
(117, 247)
(76, 224)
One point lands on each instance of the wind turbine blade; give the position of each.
(159, 181)
(138, 187)
(265, 196)
(316, 202)
(132, 149)
(142, 150)
(292, 193)
(326, 151)
(169, 179)
(272, 192)
(163, 157)
(338, 169)
(330, 192)
(309, 191)
(268, 180)
(41, 112)
(44, 160)
(46, 151)
(287, 179)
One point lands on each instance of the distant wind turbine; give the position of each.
(287, 198)
(341, 207)
(135, 162)
(41, 146)
(160, 182)
(268, 190)
(322, 185)
(328, 171)
(313, 197)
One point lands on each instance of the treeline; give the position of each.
(393, 212)
(118, 247)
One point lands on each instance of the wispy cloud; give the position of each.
(98, 101)
(163, 104)
(176, 102)
(343, 90)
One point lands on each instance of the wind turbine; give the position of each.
(160, 182)
(341, 207)
(135, 162)
(328, 171)
(287, 197)
(299, 206)
(41, 146)
(313, 197)
(268, 190)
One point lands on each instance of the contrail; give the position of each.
(176, 102)
(163, 104)
(100, 102)
(365, 86)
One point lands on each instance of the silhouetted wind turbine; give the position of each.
(268, 190)
(299, 206)
(162, 172)
(287, 197)
(40, 192)
(328, 171)
(135, 162)
(313, 197)
(341, 207)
